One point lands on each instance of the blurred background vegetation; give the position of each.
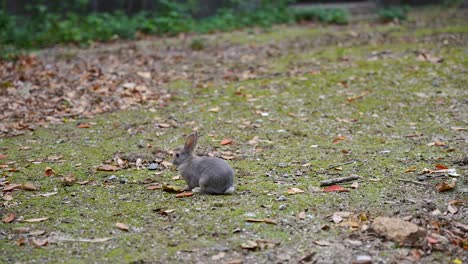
(31, 24)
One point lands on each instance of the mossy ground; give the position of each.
(370, 89)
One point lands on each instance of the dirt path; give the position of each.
(299, 105)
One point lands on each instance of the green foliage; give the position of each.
(394, 13)
(50, 24)
(328, 15)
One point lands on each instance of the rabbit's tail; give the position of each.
(230, 190)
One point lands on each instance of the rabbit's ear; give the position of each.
(191, 142)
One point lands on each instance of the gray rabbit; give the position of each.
(203, 174)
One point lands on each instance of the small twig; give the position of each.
(415, 182)
(338, 180)
(341, 164)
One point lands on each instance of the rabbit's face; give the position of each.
(180, 156)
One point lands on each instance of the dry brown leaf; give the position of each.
(322, 243)
(84, 182)
(21, 241)
(301, 215)
(35, 220)
(218, 256)
(214, 109)
(172, 189)
(154, 187)
(7, 197)
(411, 169)
(84, 125)
(107, 167)
(437, 144)
(40, 242)
(164, 125)
(167, 164)
(11, 187)
(441, 167)
(429, 58)
(69, 180)
(121, 226)
(3, 156)
(49, 172)
(445, 186)
(37, 233)
(226, 141)
(294, 191)
(9, 218)
(184, 194)
(146, 75)
(338, 139)
(28, 187)
(266, 220)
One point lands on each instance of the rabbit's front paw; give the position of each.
(196, 190)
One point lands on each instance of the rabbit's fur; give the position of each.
(205, 174)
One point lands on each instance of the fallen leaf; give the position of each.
(7, 197)
(172, 189)
(35, 220)
(218, 256)
(121, 226)
(338, 139)
(28, 187)
(249, 244)
(456, 202)
(84, 125)
(146, 75)
(3, 156)
(322, 243)
(437, 144)
(9, 218)
(154, 187)
(452, 209)
(429, 58)
(84, 182)
(301, 215)
(214, 109)
(54, 157)
(445, 186)
(164, 125)
(459, 128)
(164, 211)
(335, 188)
(294, 191)
(411, 169)
(167, 164)
(396, 229)
(176, 178)
(226, 141)
(355, 185)
(40, 242)
(266, 220)
(431, 240)
(69, 180)
(21, 241)
(357, 97)
(107, 167)
(49, 172)
(184, 194)
(441, 167)
(37, 233)
(11, 187)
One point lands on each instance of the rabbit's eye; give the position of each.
(177, 155)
